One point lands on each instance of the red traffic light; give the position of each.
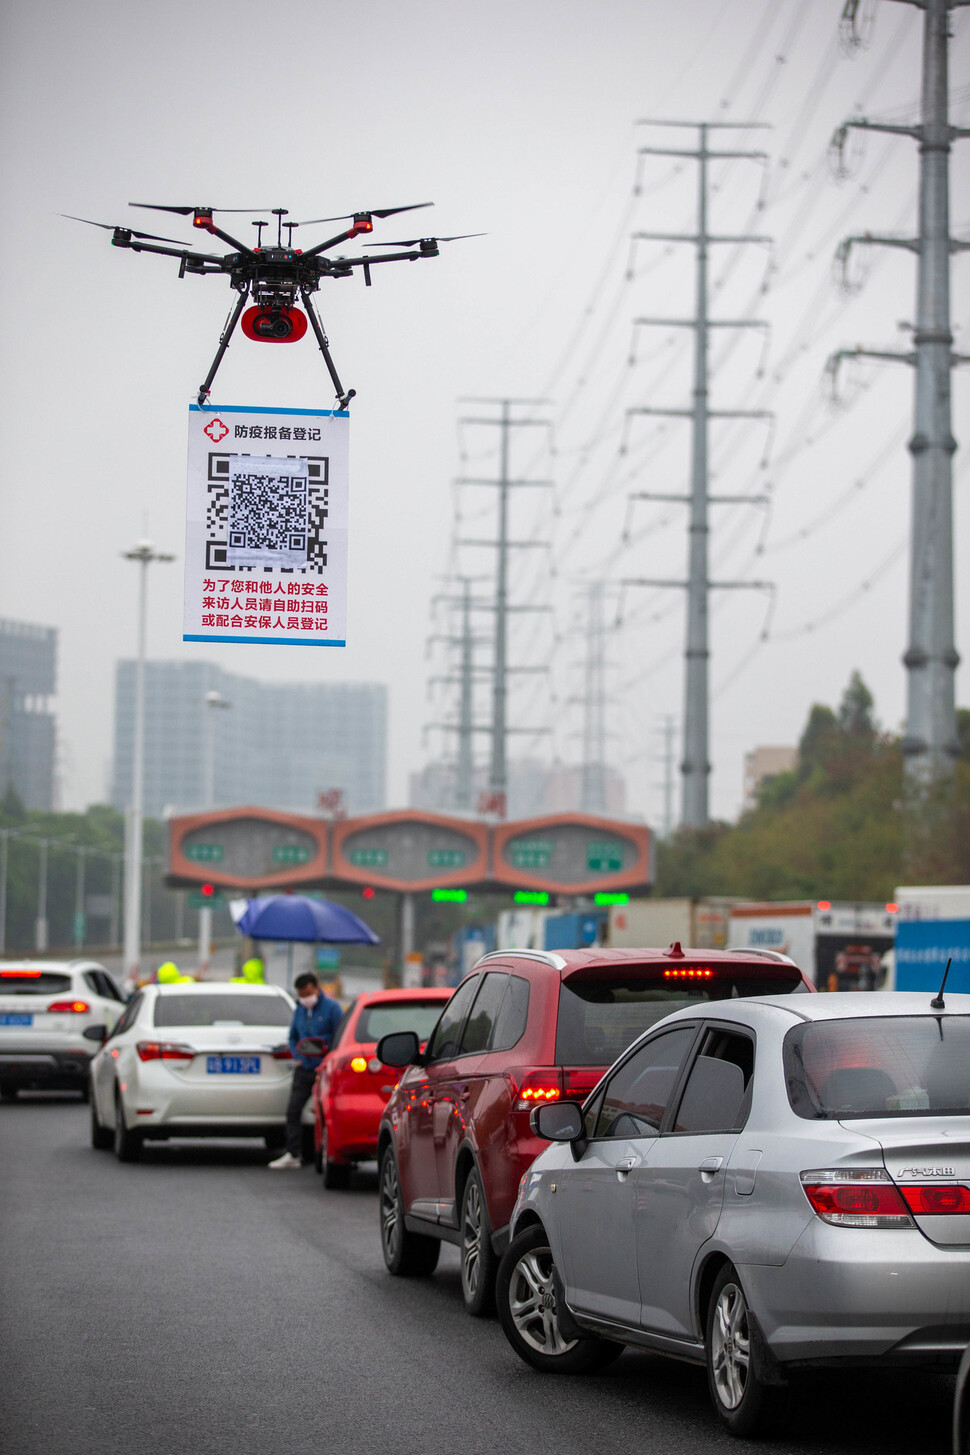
(208, 890)
(368, 892)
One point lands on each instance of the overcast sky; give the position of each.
(518, 120)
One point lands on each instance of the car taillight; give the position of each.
(856, 1197)
(73, 1007)
(929, 1200)
(281, 1053)
(358, 1063)
(532, 1088)
(163, 1051)
(577, 1084)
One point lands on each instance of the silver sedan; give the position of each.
(759, 1186)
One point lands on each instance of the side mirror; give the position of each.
(311, 1046)
(95, 1033)
(400, 1048)
(558, 1121)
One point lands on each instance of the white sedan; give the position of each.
(193, 1060)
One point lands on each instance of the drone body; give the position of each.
(274, 278)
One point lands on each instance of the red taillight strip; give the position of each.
(163, 1051)
(856, 1197)
(21, 974)
(75, 1007)
(932, 1199)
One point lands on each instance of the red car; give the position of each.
(352, 1085)
(524, 1027)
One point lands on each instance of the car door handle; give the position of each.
(625, 1166)
(710, 1165)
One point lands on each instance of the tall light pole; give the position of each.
(144, 553)
(213, 701)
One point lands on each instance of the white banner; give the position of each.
(266, 526)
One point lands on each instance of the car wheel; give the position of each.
(127, 1144)
(275, 1141)
(85, 1091)
(8, 1091)
(526, 1295)
(745, 1402)
(479, 1264)
(336, 1175)
(102, 1137)
(406, 1254)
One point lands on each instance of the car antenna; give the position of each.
(938, 1003)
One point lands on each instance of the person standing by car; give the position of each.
(315, 1015)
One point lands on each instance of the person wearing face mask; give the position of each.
(315, 1015)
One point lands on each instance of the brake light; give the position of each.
(281, 1053)
(74, 1007)
(20, 974)
(578, 1084)
(535, 1087)
(694, 972)
(856, 1197)
(163, 1051)
(932, 1199)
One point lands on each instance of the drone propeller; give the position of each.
(190, 211)
(120, 226)
(412, 242)
(364, 212)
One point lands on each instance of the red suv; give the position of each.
(352, 1085)
(524, 1027)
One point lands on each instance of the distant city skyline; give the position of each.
(28, 733)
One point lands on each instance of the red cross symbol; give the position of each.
(216, 430)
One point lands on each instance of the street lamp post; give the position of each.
(213, 701)
(144, 553)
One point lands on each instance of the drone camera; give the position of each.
(274, 325)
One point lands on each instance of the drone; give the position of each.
(273, 276)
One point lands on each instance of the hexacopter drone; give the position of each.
(273, 276)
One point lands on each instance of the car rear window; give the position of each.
(210, 1010)
(600, 1016)
(382, 1020)
(882, 1066)
(33, 982)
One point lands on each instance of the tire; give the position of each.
(406, 1255)
(275, 1141)
(127, 1144)
(85, 1091)
(8, 1091)
(307, 1149)
(102, 1137)
(336, 1175)
(745, 1403)
(526, 1296)
(479, 1264)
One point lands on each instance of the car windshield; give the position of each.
(882, 1066)
(33, 982)
(381, 1020)
(211, 1010)
(600, 1017)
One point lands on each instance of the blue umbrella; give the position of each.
(296, 917)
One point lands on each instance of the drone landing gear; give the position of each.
(343, 396)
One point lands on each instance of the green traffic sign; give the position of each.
(368, 858)
(291, 854)
(604, 856)
(197, 900)
(446, 858)
(204, 853)
(531, 853)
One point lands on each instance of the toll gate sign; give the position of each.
(266, 526)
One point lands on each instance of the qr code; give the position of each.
(276, 519)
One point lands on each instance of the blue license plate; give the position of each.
(16, 1018)
(232, 1065)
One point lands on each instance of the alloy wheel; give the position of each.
(730, 1346)
(471, 1240)
(532, 1303)
(390, 1207)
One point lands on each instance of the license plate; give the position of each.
(16, 1018)
(232, 1065)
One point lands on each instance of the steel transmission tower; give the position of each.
(506, 422)
(695, 765)
(593, 783)
(465, 727)
(930, 743)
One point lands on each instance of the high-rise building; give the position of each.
(278, 745)
(762, 764)
(28, 665)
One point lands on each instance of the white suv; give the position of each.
(53, 1017)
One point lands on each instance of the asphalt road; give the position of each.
(196, 1302)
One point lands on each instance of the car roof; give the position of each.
(411, 992)
(58, 967)
(600, 958)
(215, 987)
(830, 1006)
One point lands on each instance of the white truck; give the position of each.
(838, 945)
(700, 923)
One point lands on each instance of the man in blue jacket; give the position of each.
(315, 1015)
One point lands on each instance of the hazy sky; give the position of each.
(518, 120)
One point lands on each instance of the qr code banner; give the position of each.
(266, 526)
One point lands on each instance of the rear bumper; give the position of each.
(875, 1295)
(200, 1128)
(45, 1068)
